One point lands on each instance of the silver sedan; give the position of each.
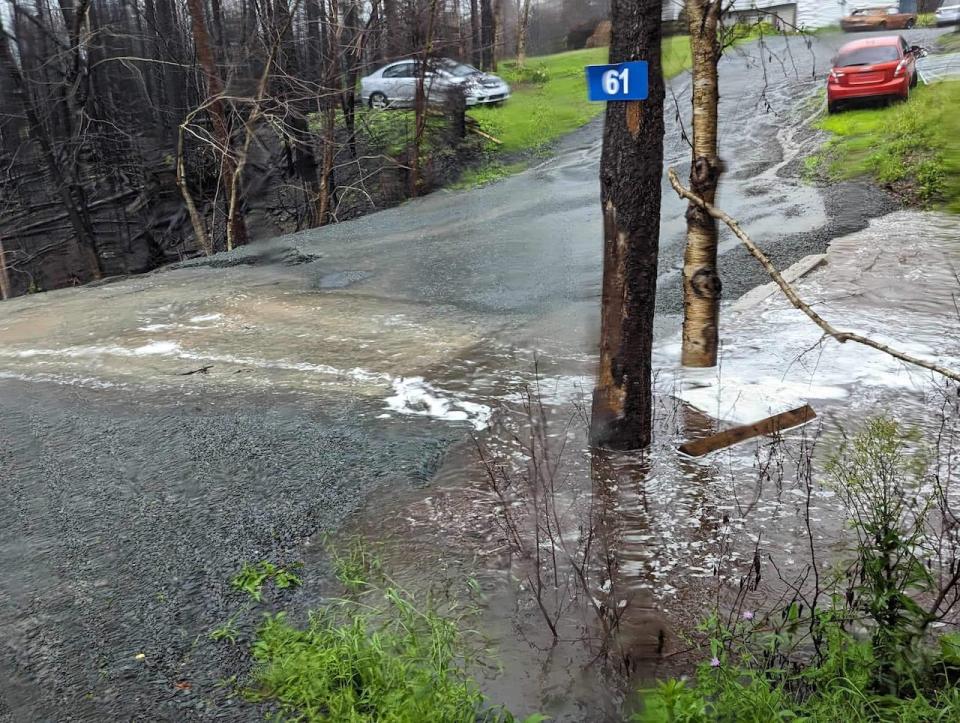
(395, 85)
(948, 14)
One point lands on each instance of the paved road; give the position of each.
(340, 360)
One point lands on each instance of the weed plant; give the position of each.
(870, 651)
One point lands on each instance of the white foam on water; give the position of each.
(414, 396)
(205, 317)
(156, 348)
(88, 382)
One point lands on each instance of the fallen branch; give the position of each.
(830, 330)
(480, 133)
(201, 370)
(734, 435)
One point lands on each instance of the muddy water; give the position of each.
(680, 529)
(242, 332)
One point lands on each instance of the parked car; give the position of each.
(883, 67)
(396, 84)
(948, 15)
(878, 18)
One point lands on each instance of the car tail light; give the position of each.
(901, 66)
(836, 75)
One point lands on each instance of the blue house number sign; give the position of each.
(620, 81)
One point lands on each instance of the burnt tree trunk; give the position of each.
(488, 34)
(630, 175)
(701, 282)
(5, 291)
(236, 227)
(420, 101)
(82, 243)
(476, 44)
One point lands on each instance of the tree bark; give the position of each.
(476, 44)
(701, 282)
(488, 34)
(523, 20)
(236, 227)
(420, 101)
(630, 174)
(498, 24)
(5, 290)
(82, 243)
(394, 33)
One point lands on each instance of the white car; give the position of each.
(395, 85)
(948, 15)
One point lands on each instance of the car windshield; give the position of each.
(460, 70)
(867, 56)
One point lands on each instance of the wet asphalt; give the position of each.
(123, 513)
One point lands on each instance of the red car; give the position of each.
(873, 68)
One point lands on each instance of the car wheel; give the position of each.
(913, 80)
(378, 100)
(911, 23)
(832, 107)
(882, 26)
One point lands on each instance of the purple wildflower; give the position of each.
(714, 662)
(748, 614)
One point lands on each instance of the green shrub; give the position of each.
(867, 654)
(377, 655)
(354, 664)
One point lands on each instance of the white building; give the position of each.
(807, 14)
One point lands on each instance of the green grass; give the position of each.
(949, 42)
(540, 112)
(489, 172)
(376, 655)
(910, 146)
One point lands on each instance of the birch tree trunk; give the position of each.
(631, 167)
(701, 282)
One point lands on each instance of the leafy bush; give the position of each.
(530, 74)
(378, 654)
(868, 654)
(352, 664)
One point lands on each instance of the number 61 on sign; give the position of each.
(618, 81)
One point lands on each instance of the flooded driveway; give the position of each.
(158, 431)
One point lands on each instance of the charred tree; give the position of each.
(488, 34)
(236, 226)
(701, 282)
(420, 100)
(5, 292)
(82, 241)
(631, 169)
(476, 44)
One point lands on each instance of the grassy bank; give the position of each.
(549, 100)
(910, 147)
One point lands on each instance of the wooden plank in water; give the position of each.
(734, 435)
